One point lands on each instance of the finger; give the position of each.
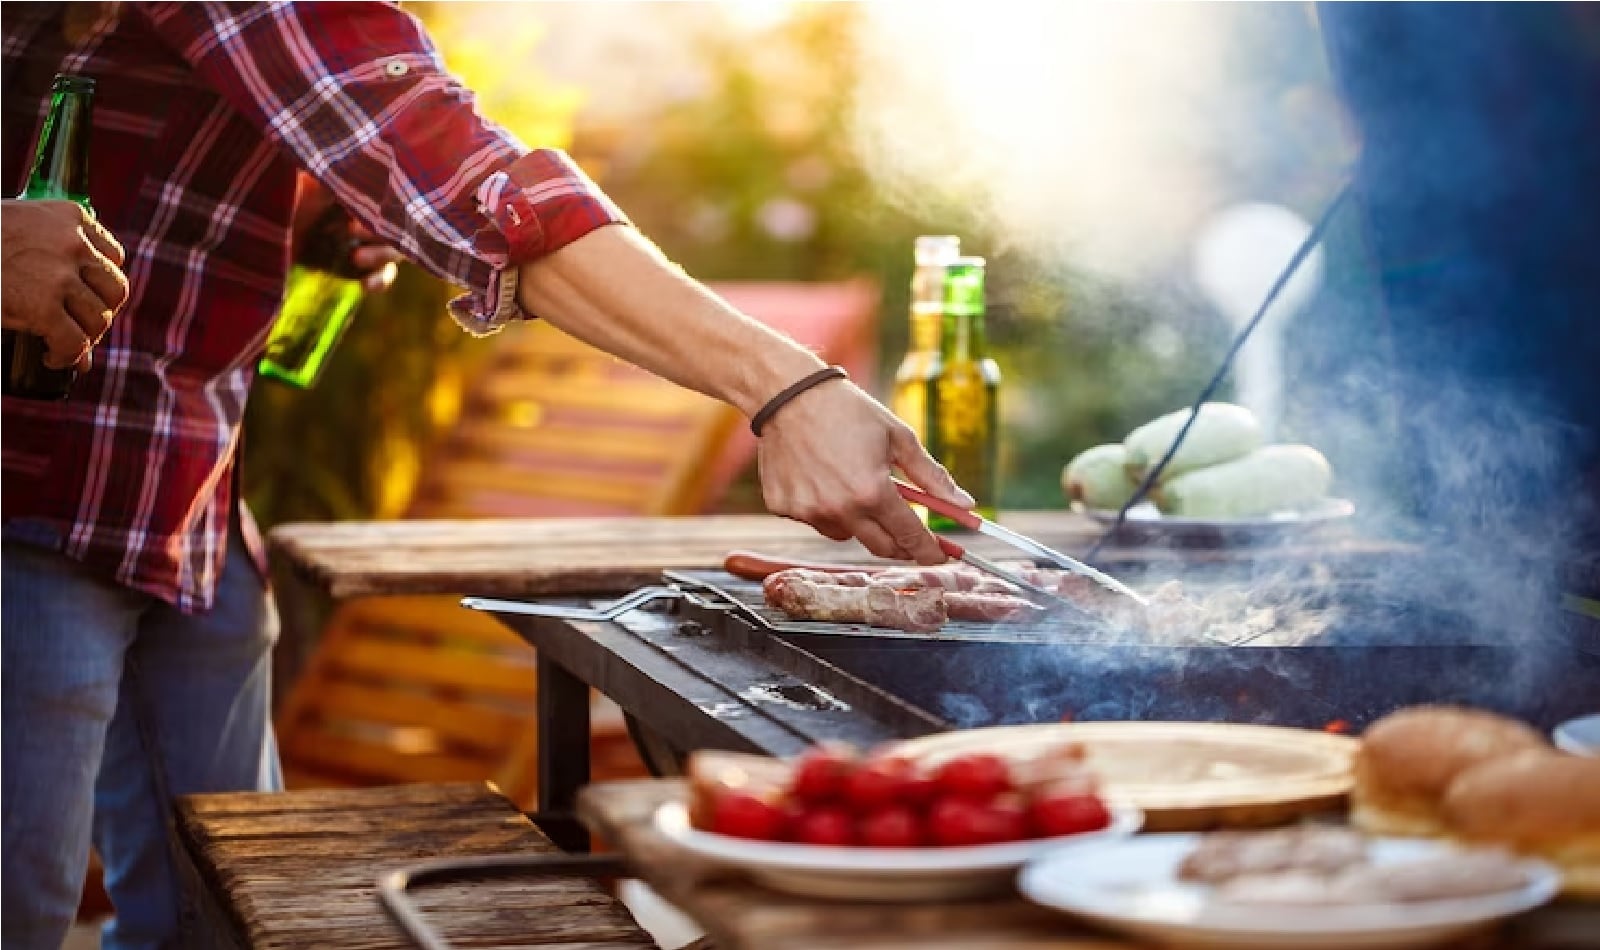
(103, 241)
(878, 541)
(105, 279)
(831, 529)
(373, 256)
(85, 362)
(90, 312)
(380, 281)
(65, 342)
(826, 525)
(912, 459)
(896, 519)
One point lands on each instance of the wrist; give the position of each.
(759, 421)
(771, 373)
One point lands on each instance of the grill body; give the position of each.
(1344, 656)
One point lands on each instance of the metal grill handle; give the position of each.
(635, 600)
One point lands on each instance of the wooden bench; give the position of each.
(300, 870)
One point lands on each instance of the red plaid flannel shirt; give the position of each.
(203, 113)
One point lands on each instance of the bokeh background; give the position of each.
(1134, 172)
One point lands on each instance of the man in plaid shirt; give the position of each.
(136, 629)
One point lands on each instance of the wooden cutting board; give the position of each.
(1186, 776)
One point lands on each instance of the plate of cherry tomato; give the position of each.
(885, 827)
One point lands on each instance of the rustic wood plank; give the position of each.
(442, 795)
(529, 557)
(742, 916)
(299, 870)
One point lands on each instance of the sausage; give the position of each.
(807, 595)
(757, 567)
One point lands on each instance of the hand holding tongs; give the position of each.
(974, 521)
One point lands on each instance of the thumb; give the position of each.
(911, 458)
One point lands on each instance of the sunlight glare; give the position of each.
(1075, 123)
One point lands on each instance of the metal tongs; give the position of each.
(976, 522)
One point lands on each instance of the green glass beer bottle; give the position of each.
(963, 393)
(60, 172)
(319, 300)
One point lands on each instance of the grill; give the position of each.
(1341, 654)
(702, 662)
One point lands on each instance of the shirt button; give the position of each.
(396, 68)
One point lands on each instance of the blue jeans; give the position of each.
(114, 703)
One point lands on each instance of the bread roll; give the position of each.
(1408, 759)
(1540, 803)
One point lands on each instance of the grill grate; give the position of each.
(1282, 627)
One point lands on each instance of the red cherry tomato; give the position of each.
(977, 775)
(743, 815)
(958, 821)
(879, 783)
(821, 773)
(894, 827)
(826, 826)
(919, 788)
(1067, 814)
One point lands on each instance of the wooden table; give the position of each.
(739, 915)
(300, 870)
(524, 558)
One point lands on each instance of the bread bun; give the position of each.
(1408, 759)
(1544, 804)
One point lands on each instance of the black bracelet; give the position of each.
(760, 419)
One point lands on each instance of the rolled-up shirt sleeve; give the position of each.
(359, 95)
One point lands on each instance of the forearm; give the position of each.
(614, 290)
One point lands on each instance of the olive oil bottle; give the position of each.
(963, 391)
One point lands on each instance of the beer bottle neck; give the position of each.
(963, 338)
(61, 163)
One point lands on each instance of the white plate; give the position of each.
(1146, 519)
(1131, 885)
(1579, 736)
(879, 874)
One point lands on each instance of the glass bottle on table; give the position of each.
(60, 172)
(909, 401)
(319, 300)
(963, 392)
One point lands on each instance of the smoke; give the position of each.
(1104, 132)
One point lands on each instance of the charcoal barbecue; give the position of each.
(702, 661)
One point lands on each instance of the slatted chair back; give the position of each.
(412, 689)
(557, 429)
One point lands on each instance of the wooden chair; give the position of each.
(412, 689)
